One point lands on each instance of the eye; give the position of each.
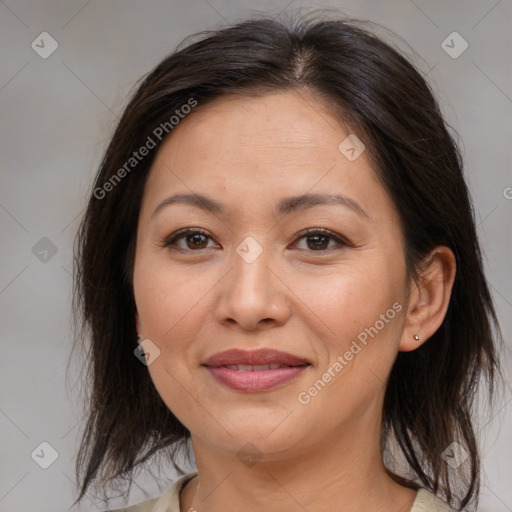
(319, 239)
(193, 239)
(316, 239)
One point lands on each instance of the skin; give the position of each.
(249, 152)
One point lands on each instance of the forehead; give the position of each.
(251, 148)
(292, 118)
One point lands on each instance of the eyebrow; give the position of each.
(286, 206)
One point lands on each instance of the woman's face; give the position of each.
(251, 278)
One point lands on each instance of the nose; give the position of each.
(252, 295)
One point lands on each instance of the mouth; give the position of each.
(258, 367)
(255, 371)
(255, 360)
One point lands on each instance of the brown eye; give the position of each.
(320, 240)
(194, 239)
(317, 242)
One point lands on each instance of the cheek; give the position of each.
(356, 324)
(349, 298)
(168, 298)
(171, 305)
(355, 313)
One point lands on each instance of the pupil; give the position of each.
(197, 239)
(316, 245)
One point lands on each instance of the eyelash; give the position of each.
(306, 233)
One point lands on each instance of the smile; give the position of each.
(255, 378)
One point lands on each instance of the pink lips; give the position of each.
(255, 370)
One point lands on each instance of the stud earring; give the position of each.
(416, 337)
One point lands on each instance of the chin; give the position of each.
(262, 438)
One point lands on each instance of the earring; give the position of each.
(416, 337)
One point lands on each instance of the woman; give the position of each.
(279, 264)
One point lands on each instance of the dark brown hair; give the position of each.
(387, 103)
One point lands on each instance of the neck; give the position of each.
(346, 475)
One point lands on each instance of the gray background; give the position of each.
(56, 118)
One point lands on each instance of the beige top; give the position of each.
(169, 500)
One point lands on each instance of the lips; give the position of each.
(255, 371)
(255, 360)
(256, 367)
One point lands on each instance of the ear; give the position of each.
(429, 298)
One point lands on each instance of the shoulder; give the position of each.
(168, 501)
(427, 502)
